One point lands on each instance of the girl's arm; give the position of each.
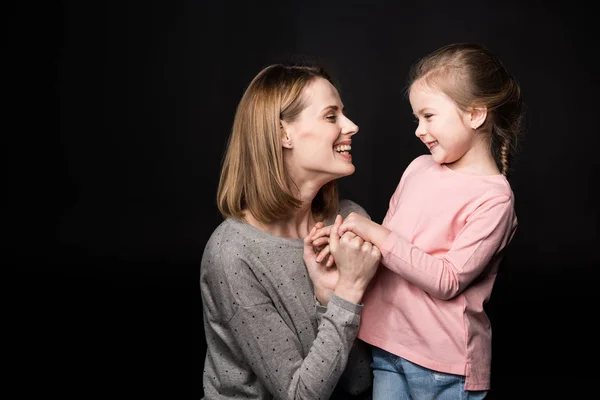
(486, 233)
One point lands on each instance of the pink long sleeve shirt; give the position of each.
(448, 235)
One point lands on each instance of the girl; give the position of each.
(445, 232)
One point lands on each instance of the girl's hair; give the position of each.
(472, 76)
(253, 176)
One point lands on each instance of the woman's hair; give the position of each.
(473, 77)
(253, 176)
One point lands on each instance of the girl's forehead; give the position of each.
(423, 87)
(421, 91)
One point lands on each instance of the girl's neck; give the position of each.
(478, 160)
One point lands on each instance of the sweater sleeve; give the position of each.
(275, 353)
(357, 377)
(487, 231)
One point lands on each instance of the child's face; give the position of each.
(320, 137)
(443, 127)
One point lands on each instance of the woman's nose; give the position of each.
(350, 128)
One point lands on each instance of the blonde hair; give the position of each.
(472, 76)
(253, 176)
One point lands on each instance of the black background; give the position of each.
(117, 114)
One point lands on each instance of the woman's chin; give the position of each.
(348, 170)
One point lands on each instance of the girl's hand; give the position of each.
(362, 226)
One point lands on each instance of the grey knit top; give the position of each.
(265, 336)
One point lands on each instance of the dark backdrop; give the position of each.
(117, 117)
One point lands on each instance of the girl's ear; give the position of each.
(478, 116)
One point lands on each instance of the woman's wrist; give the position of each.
(322, 296)
(353, 292)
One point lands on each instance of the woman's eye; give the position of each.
(331, 118)
(427, 116)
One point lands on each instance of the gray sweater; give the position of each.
(266, 337)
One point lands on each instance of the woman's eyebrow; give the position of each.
(332, 107)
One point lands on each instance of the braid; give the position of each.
(506, 126)
(504, 156)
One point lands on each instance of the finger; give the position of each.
(322, 254)
(308, 247)
(320, 241)
(376, 252)
(355, 241)
(371, 249)
(330, 261)
(321, 232)
(348, 236)
(367, 247)
(359, 241)
(347, 226)
(318, 225)
(343, 228)
(334, 238)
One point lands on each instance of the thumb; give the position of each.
(334, 237)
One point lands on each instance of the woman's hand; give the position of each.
(320, 241)
(356, 260)
(323, 276)
(356, 223)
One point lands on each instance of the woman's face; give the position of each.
(320, 138)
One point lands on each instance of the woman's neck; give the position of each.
(296, 226)
(301, 220)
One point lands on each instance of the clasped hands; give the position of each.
(346, 258)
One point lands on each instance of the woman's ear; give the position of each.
(478, 116)
(286, 142)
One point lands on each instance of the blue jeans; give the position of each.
(395, 378)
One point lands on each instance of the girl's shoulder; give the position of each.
(419, 162)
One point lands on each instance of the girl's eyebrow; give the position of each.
(421, 111)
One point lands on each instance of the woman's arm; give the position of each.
(268, 341)
(275, 353)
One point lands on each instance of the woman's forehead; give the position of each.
(319, 92)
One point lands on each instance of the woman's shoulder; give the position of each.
(229, 234)
(228, 254)
(347, 206)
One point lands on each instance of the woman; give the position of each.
(279, 324)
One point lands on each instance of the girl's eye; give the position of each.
(427, 116)
(331, 118)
